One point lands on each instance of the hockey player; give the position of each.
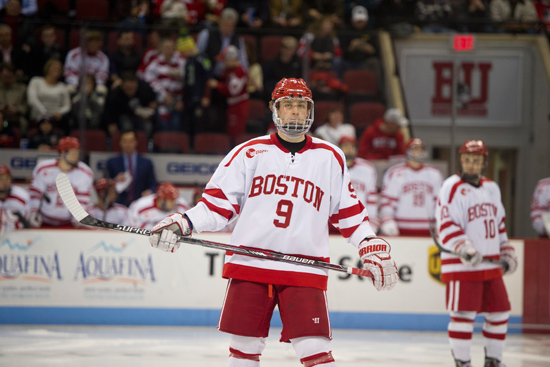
(148, 210)
(363, 178)
(106, 208)
(471, 221)
(409, 194)
(14, 203)
(541, 205)
(285, 188)
(46, 204)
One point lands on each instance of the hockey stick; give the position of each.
(443, 249)
(71, 202)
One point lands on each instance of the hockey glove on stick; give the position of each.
(468, 254)
(375, 253)
(35, 219)
(508, 257)
(164, 234)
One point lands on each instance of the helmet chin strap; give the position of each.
(5, 192)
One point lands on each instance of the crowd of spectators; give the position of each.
(193, 66)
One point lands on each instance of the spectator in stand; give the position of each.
(14, 203)
(132, 172)
(48, 49)
(233, 86)
(435, 16)
(384, 138)
(28, 7)
(286, 65)
(252, 13)
(363, 178)
(316, 10)
(174, 12)
(474, 16)
(286, 13)
(395, 16)
(47, 137)
(47, 96)
(198, 69)
(95, 61)
(543, 12)
(137, 19)
(94, 103)
(12, 53)
(514, 15)
(211, 42)
(125, 58)
(334, 128)
(165, 74)
(23, 36)
(321, 45)
(150, 54)
(130, 106)
(46, 204)
(8, 137)
(540, 208)
(13, 98)
(409, 194)
(106, 208)
(255, 73)
(148, 210)
(357, 45)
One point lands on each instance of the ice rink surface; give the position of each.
(101, 346)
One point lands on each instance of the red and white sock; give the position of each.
(460, 332)
(494, 332)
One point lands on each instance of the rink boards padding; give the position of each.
(111, 278)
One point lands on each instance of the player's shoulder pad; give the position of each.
(248, 149)
(20, 193)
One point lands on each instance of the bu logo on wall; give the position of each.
(489, 87)
(472, 88)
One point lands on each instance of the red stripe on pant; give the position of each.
(317, 359)
(493, 335)
(460, 335)
(240, 355)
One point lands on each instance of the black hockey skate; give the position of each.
(493, 362)
(459, 363)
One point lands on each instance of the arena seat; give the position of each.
(212, 143)
(171, 142)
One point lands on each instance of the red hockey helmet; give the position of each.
(167, 190)
(415, 142)
(4, 170)
(292, 88)
(474, 147)
(68, 142)
(103, 184)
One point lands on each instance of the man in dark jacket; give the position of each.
(286, 65)
(130, 166)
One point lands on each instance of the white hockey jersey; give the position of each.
(363, 178)
(96, 65)
(540, 205)
(475, 213)
(144, 213)
(18, 201)
(54, 212)
(408, 197)
(284, 203)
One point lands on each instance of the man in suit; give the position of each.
(139, 168)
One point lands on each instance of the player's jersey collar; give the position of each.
(278, 144)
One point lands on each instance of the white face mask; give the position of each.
(296, 118)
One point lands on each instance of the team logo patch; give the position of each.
(464, 191)
(251, 153)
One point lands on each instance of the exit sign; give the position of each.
(463, 42)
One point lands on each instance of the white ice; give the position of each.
(102, 346)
